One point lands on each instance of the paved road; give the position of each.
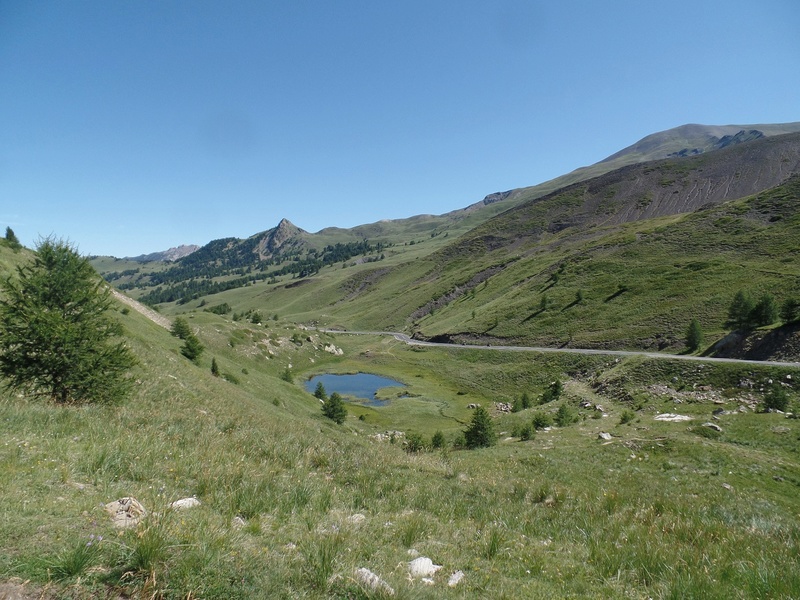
(402, 337)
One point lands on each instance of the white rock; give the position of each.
(671, 417)
(603, 435)
(126, 512)
(356, 518)
(238, 522)
(455, 578)
(372, 581)
(422, 567)
(185, 503)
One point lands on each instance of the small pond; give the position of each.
(360, 385)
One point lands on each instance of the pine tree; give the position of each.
(180, 328)
(765, 312)
(56, 337)
(790, 310)
(334, 408)
(694, 336)
(192, 348)
(12, 239)
(214, 367)
(480, 432)
(319, 392)
(740, 311)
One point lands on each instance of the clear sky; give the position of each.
(130, 126)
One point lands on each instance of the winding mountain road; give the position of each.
(402, 337)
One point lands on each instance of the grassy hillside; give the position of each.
(292, 504)
(594, 265)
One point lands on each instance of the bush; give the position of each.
(541, 420)
(414, 443)
(553, 392)
(437, 441)
(776, 398)
(526, 432)
(627, 416)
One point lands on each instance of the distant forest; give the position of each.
(198, 274)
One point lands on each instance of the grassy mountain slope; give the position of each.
(292, 505)
(285, 245)
(629, 242)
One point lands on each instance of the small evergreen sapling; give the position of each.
(334, 408)
(694, 336)
(480, 432)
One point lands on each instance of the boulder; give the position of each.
(455, 578)
(369, 579)
(422, 567)
(126, 512)
(672, 417)
(185, 503)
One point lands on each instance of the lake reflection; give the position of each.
(360, 385)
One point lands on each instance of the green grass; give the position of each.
(561, 515)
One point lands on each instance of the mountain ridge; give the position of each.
(659, 145)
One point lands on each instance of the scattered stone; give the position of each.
(473, 405)
(372, 581)
(713, 426)
(604, 435)
(503, 406)
(778, 478)
(728, 486)
(455, 578)
(185, 503)
(126, 512)
(333, 350)
(781, 429)
(238, 522)
(412, 552)
(672, 417)
(422, 567)
(356, 518)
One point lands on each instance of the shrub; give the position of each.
(526, 432)
(437, 441)
(414, 443)
(627, 416)
(541, 420)
(553, 392)
(776, 398)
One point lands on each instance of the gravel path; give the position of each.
(142, 309)
(402, 337)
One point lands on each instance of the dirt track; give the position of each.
(142, 309)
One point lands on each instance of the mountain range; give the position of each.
(601, 257)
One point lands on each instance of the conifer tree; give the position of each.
(334, 408)
(694, 336)
(480, 432)
(56, 335)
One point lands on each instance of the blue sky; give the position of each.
(132, 126)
